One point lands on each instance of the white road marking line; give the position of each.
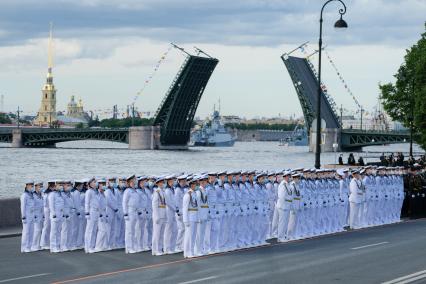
(23, 277)
(199, 280)
(372, 245)
(409, 277)
(411, 280)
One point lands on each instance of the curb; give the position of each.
(10, 235)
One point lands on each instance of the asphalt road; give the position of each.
(373, 255)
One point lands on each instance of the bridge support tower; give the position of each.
(17, 141)
(329, 136)
(144, 138)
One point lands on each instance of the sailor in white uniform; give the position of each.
(270, 192)
(202, 243)
(104, 221)
(130, 210)
(27, 216)
(56, 203)
(78, 220)
(149, 186)
(190, 219)
(180, 190)
(38, 216)
(214, 212)
(284, 205)
(295, 219)
(355, 200)
(159, 217)
(45, 233)
(114, 209)
(92, 212)
(142, 214)
(68, 209)
(170, 228)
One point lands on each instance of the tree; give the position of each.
(405, 100)
(4, 119)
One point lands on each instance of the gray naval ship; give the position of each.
(212, 133)
(299, 137)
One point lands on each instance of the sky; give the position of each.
(104, 50)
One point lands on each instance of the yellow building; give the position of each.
(47, 112)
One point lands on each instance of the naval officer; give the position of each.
(45, 233)
(56, 203)
(38, 216)
(284, 202)
(190, 219)
(91, 209)
(355, 200)
(130, 211)
(180, 189)
(159, 217)
(27, 216)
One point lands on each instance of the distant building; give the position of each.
(47, 112)
(75, 114)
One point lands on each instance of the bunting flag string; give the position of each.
(152, 74)
(342, 80)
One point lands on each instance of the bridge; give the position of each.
(48, 137)
(172, 122)
(305, 83)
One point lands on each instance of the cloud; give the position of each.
(243, 22)
(105, 49)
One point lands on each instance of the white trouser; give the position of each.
(66, 233)
(189, 239)
(283, 218)
(81, 231)
(354, 215)
(147, 242)
(140, 234)
(38, 226)
(45, 232)
(200, 248)
(27, 235)
(75, 227)
(274, 225)
(114, 230)
(170, 236)
(214, 234)
(180, 232)
(130, 232)
(55, 234)
(158, 236)
(90, 233)
(292, 224)
(102, 236)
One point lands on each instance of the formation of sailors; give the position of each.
(207, 213)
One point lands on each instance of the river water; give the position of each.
(81, 159)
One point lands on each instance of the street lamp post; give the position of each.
(339, 24)
(412, 119)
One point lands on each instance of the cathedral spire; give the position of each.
(50, 55)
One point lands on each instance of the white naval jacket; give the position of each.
(356, 194)
(158, 205)
(203, 204)
(27, 206)
(285, 197)
(190, 207)
(91, 203)
(56, 203)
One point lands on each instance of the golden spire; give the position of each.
(50, 49)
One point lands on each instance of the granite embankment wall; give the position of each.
(10, 212)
